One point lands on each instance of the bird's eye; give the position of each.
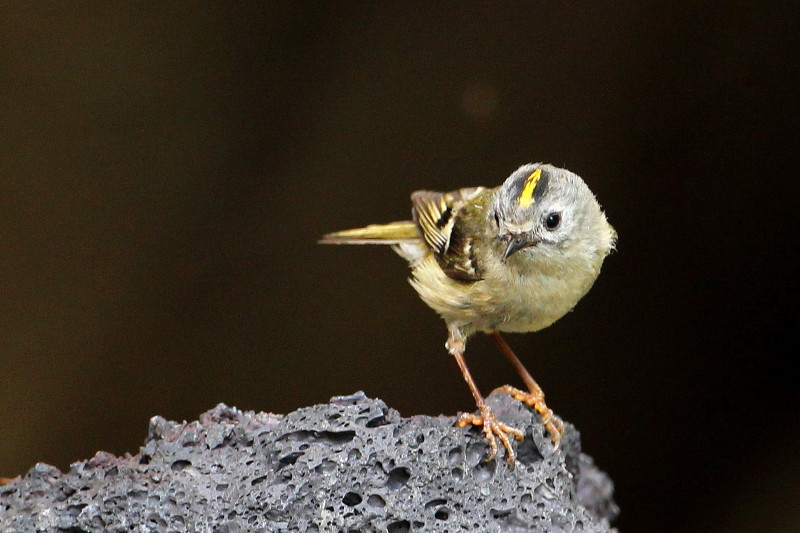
(552, 221)
(497, 219)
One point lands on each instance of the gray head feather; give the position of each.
(552, 207)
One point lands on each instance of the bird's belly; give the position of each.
(518, 305)
(529, 307)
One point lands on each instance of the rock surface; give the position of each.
(352, 465)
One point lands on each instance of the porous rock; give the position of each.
(351, 465)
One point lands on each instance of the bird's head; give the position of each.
(547, 210)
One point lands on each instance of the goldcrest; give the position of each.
(514, 258)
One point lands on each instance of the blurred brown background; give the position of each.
(167, 168)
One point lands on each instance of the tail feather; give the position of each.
(392, 233)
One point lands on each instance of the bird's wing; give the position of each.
(437, 216)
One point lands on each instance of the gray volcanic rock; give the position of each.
(352, 465)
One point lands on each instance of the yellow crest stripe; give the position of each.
(526, 196)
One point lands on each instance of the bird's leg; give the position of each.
(493, 429)
(534, 397)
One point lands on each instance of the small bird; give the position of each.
(513, 258)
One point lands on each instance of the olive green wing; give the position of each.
(438, 215)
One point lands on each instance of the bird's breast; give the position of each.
(516, 299)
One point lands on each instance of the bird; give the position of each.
(513, 258)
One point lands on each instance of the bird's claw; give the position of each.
(552, 423)
(493, 429)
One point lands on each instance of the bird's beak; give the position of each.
(517, 242)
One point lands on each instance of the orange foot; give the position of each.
(553, 424)
(493, 429)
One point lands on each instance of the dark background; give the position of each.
(166, 170)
